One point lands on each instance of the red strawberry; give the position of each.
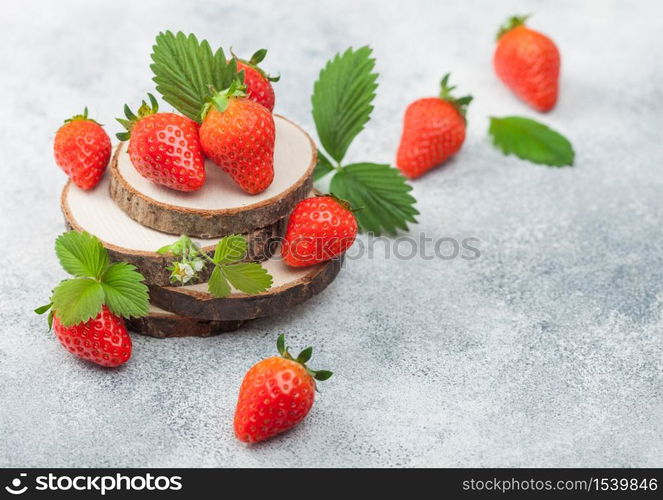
(82, 149)
(276, 394)
(528, 63)
(238, 135)
(164, 147)
(433, 131)
(258, 83)
(319, 229)
(103, 340)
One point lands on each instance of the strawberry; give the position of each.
(528, 63)
(103, 340)
(164, 147)
(276, 394)
(433, 131)
(319, 229)
(258, 83)
(82, 149)
(238, 135)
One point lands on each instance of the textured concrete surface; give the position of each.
(545, 351)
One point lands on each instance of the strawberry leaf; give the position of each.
(323, 167)
(218, 285)
(342, 98)
(81, 254)
(531, 141)
(124, 291)
(184, 69)
(181, 246)
(230, 249)
(77, 300)
(380, 195)
(248, 277)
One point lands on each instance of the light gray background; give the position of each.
(545, 351)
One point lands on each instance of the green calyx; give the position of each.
(460, 103)
(512, 22)
(255, 60)
(47, 308)
(302, 359)
(221, 99)
(131, 118)
(80, 118)
(344, 203)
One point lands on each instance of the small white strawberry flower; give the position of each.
(182, 272)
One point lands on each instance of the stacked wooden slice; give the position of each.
(134, 217)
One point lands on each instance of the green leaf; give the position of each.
(184, 69)
(44, 308)
(258, 56)
(342, 98)
(280, 345)
(531, 141)
(230, 249)
(323, 167)
(248, 277)
(77, 300)
(125, 293)
(379, 194)
(217, 284)
(81, 254)
(183, 244)
(305, 355)
(322, 375)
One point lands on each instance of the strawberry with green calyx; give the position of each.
(433, 131)
(82, 149)
(86, 310)
(319, 229)
(258, 83)
(238, 134)
(276, 394)
(164, 147)
(528, 62)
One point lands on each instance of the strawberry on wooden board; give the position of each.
(433, 131)
(87, 310)
(319, 229)
(276, 394)
(238, 135)
(103, 340)
(528, 63)
(164, 147)
(258, 83)
(82, 149)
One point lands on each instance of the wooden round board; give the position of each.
(126, 240)
(291, 286)
(220, 207)
(163, 324)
